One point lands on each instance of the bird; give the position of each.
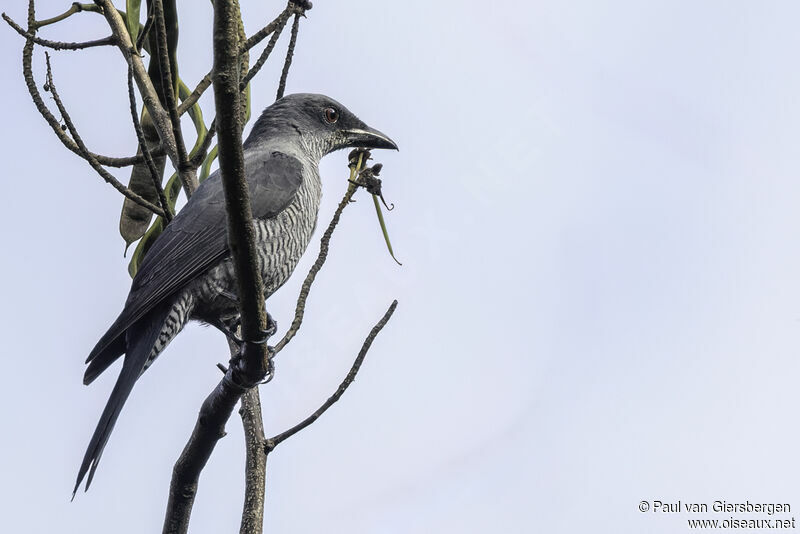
(188, 272)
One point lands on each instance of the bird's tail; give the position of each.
(140, 339)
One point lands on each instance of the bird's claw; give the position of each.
(268, 332)
(270, 365)
(265, 334)
(243, 354)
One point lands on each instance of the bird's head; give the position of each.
(319, 122)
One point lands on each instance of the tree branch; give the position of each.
(289, 54)
(41, 107)
(351, 376)
(255, 471)
(324, 246)
(108, 177)
(195, 95)
(202, 150)
(205, 82)
(249, 368)
(294, 6)
(209, 428)
(281, 23)
(160, 116)
(241, 234)
(187, 175)
(57, 45)
(148, 157)
(74, 8)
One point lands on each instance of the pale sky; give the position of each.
(599, 303)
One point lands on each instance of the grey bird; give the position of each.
(188, 273)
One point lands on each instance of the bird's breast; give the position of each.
(282, 240)
(280, 243)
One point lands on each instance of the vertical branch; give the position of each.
(149, 95)
(289, 54)
(256, 459)
(255, 474)
(250, 365)
(148, 158)
(164, 57)
(241, 235)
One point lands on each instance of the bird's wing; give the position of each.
(197, 239)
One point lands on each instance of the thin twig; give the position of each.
(187, 176)
(261, 34)
(192, 99)
(351, 376)
(108, 177)
(74, 8)
(144, 34)
(202, 150)
(58, 45)
(324, 246)
(151, 165)
(160, 116)
(282, 19)
(41, 107)
(289, 53)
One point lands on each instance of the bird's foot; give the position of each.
(244, 354)
(231, 296)
(245, 347)
(229, 329)
(270, 365)
(268, 332)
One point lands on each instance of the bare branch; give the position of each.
(249, 368)
(187, 175)
(74, 8)
(202, 150)
(108, 177)
(282, 19)
(160, 116)
(351, 376)
(151, 165)
(261, 34)
(192, 99)
(141, 39)
(324, 246)
(210, 428)
(256, 458)
(58, 45)
(258, 448)
(41, 107)
(289, 53)
(241, 234)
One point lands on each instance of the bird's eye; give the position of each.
(331, 115)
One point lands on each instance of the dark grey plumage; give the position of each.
(188, 273)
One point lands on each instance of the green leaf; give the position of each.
(173, 188)
(171, 191)
(383, 227)
(132, 18)
(135, 219)
(205, 170)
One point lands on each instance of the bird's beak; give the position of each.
(369, 138)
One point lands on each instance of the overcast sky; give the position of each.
(599, 303)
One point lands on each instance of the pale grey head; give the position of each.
(319, 123)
